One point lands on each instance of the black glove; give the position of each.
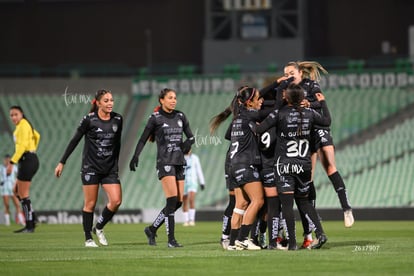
(285, 83)
(202, 187)
(134, 163)
(186, 146)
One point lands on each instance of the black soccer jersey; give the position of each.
(102, 143)
(312, 87)
(167, 130)
(293, 145)
(244, 146)
(267, 140)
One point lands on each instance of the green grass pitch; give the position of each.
(368, 248)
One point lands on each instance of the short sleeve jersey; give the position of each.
(244, 145)
(168, 129)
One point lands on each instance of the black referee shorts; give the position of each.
(27, 166)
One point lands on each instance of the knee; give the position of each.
(89, 206)
(258, 202)
(115, 204)
(171, 205)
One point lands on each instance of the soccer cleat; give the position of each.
(348, 218)
(225, 243)
(282, 241)
(321, 240)
(272, 246)
(150, 236)
(247, 245)
(25, 230)
(262, 240)
(191, 223)
(101, 236)
(234, 248)
(174, 244)
(186, 224)
(277, 246)
(307, 244)
(90, 243)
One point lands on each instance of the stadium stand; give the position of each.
(377, 172)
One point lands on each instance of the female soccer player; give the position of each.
(102, 129)
(244, 166)
(166, 126)
(293, 166)
(8, 174)
(194, 177)
(26, 140)
(228, 211)
(306, 74)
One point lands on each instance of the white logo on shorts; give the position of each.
(87, 177)
(167, 168)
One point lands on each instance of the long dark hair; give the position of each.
(162, 95)
(18, 107)
(294, 96)
(98, 96)
(242, 96)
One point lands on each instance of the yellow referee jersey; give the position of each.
(25, 139)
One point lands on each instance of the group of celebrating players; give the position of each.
(275, 137)
(275, 134)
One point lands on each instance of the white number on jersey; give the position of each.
(297, 148)
(234, 151)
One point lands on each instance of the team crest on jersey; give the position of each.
(114, 127)
(167, 168)
(180, 123)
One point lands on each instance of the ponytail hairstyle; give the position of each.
(18, 107)
(162, 95)
(310, 69)
(98, 96)
(294, 96)
(242, 96)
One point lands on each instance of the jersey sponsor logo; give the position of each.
(167, 168)
(114, 127)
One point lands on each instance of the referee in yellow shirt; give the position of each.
(26, 140)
